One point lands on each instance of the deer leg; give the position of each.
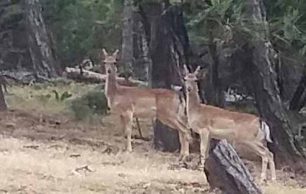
(184, 152)
(272, 165)
(127, 122)
(270, 157)
(139, 129)
(123, 124)
(204, 147)
(262, 152)
(175, 124)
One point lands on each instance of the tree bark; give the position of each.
(3, 106)
(142, 67)
(298, 100)
(263, 83)
(127, 36)
(216, 94)
(168, 45)
(39, 42)
(226, 171)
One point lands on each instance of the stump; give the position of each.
(225, 170)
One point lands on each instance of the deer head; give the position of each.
(110, 61)
(192, 78)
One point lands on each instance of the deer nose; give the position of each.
(189, 89)
(109, 71)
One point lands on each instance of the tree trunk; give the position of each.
(298, 100)
(127, 36)
(216, 94)
(39, 42)
(264, 85)
(168, 44)
(3, 106)
(142, 67)
(225, 170)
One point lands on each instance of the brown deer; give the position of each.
(129, 102)
(238, 128)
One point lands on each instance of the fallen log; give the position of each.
(77, 73)
(225, 170)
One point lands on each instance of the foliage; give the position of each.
(215, 18)
(60, 98)
(226, 21)
(82, 27)
(92, 103)
(288, 26)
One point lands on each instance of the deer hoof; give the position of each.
(200, 168)
(263, 181)
(182, 164)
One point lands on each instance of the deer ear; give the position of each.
(186, 71)
(104, 52)
(202, 74)
(116, 53)
(197, 71)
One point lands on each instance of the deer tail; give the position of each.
(266, 131)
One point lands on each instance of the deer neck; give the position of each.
(193, 101)
(110, 87)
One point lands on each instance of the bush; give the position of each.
(91, 104)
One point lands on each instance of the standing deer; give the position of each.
(213, 122)
(129, 102)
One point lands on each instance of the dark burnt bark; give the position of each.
(3, 106)
(24, 41)
(226, 171)
(264, 86)
(127, 36)
(168, 46)
(216, 96)
(39, 42)
(142, 62)
(298, 100)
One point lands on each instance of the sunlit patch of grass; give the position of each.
(42, 98)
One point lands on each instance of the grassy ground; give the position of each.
(44, 150)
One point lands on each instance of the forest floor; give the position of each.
(44, 150)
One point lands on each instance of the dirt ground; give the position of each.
(40, 154)
(59, 156)
(50, 153)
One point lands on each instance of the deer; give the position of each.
(214, 122)
(128, 102)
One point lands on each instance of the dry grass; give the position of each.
(281, 189)
(44, 157)
(51, 167)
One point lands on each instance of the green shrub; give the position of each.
(61, 98)
(91, 104)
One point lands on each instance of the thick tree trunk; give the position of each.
(298, 100)
(216, 94)
(3, 106)
(264, 86)
(168, 43)
(39, 42)
(142, 66)
(225, 170)
(24, 40)
(14, 53)
(127, 36)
